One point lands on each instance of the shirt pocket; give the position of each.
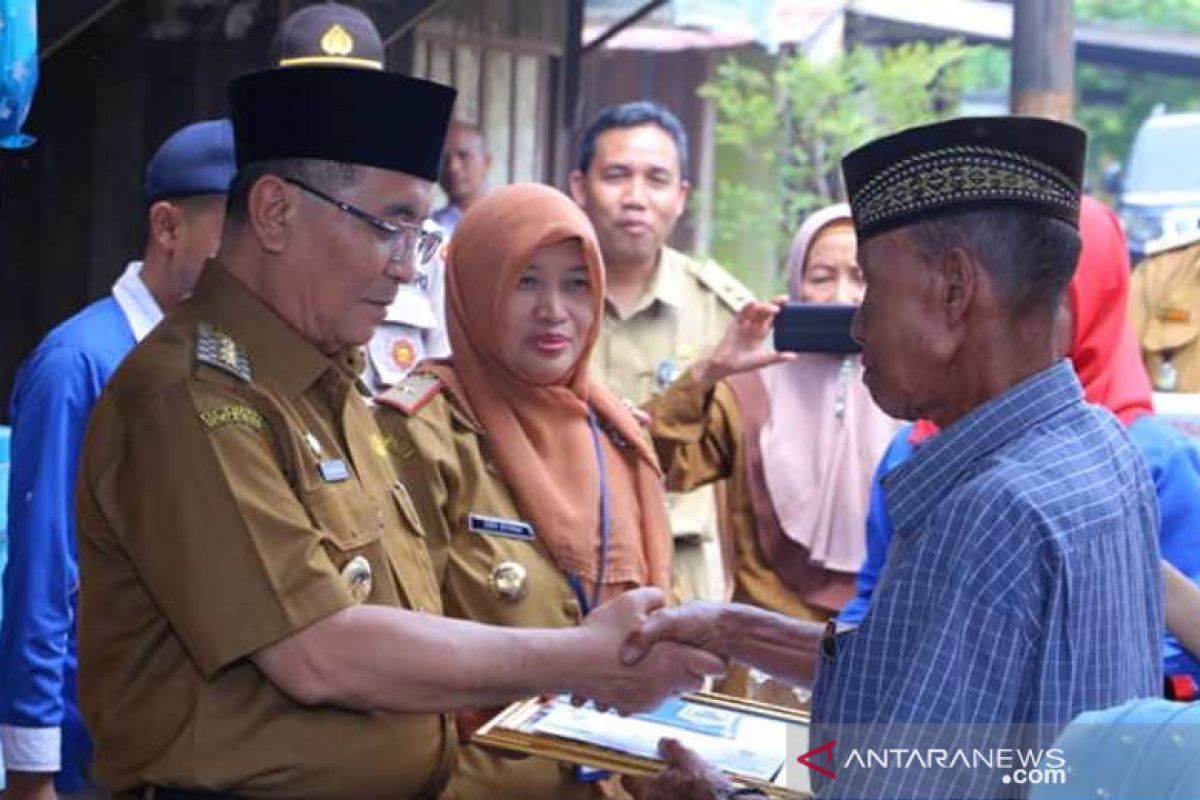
(1164, 334)
(352, 526)
(409, 555)
(366, 570)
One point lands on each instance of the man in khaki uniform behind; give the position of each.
(259, 615)
(1164, 303)
(664, 309)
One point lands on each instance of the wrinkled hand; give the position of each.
(744, 346)
(698, 625)
(667, 669)
(686, 777)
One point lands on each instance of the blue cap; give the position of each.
(196, 159)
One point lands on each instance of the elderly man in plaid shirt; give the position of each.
(1023, 586)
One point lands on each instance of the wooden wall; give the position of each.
(503, 58)
(670, 78)
(71, 212)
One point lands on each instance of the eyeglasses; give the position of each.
(405, 239)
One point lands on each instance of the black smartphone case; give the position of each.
(812, 328)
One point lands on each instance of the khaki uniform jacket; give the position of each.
(476, 534)
(690, 304)
(233, 490)
(700, 437)
(1164, 304)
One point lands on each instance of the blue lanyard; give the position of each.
(605, 522)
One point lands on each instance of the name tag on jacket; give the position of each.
(496, 526)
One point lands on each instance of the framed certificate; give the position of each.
(745, 739)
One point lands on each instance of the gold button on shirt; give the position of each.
(231, 494)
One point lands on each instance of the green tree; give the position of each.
(782, 130)
(1174, 15)
(1132, 95)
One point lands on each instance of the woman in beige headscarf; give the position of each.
(538, 492)
(798, 439)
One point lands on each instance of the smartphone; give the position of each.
(815, 328)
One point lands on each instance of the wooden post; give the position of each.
(1043, 59)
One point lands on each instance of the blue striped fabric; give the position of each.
(1022, 586)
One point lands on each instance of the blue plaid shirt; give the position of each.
(1022, 586)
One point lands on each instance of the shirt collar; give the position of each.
(668, 286)
(937, 465)
(135, 301)
(279, 355)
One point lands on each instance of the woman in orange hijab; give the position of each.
(538, 493)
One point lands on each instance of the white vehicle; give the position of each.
(1158, 190)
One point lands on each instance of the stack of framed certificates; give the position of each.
(747, 740)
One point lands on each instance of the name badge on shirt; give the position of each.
(496, 526)
(333, 470)
(665, 374)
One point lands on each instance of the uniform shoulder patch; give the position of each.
(412, 394)
(728, 289)
(235, 414)
(215, 348)
(1169, 244)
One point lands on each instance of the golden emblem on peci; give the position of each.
(337, 41)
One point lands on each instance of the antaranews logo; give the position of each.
(825, 750)
(1018, 766)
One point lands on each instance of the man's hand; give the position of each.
(686, 777)
(744, 346)
(668, 669)
(786, 649)
(29, 786)
(697, 625)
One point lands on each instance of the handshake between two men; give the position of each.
(668, 650)
(664, 651)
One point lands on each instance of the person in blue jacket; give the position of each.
(1104, 353)
(44, 743)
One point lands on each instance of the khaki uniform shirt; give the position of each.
(690, 304)
(233, 490)
(1164, 303)
(491, 566)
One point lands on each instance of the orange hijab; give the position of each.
(538, 435)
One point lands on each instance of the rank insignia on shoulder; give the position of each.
(215, 348)
(411, 394)
(728, 289)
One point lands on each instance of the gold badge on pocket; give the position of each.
(357, 575)
(508, 580)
